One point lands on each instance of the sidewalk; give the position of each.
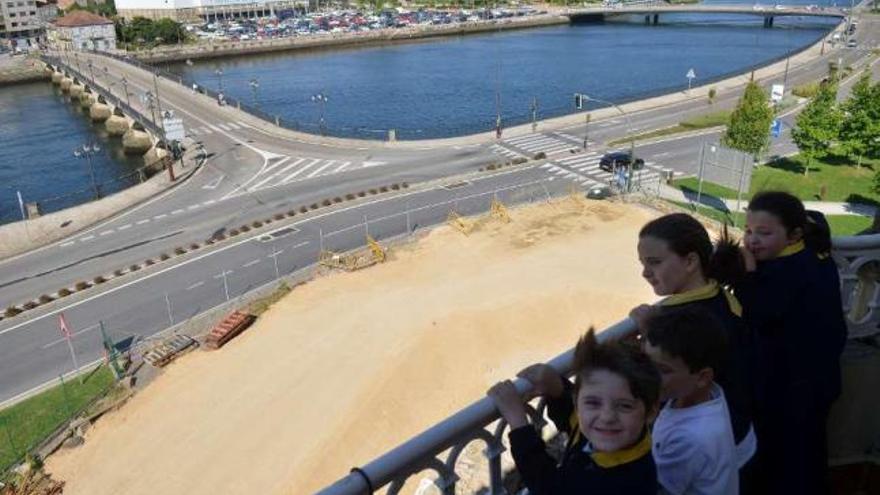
(724, 204)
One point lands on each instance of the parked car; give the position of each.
(598, 191)
(851, 44)
(617, 159)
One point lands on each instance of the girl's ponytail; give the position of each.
(817, 233)
(726, 264)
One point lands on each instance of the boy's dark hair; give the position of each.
(792, 214)
(685, 235)
(691, 333)
(625, 360)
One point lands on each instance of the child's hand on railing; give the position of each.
(545, 380)
(509, 403)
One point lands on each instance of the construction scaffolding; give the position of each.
(354, 261)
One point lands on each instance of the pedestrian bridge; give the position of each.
(653, 10)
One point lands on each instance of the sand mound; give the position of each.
(349, 365)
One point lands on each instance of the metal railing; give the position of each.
(439, 448)
(107, 95)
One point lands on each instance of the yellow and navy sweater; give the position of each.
(793, 304)
(627, 472)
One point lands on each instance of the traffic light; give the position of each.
(578, 101)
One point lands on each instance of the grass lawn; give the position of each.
(840, 178)
(29, 422)
(841, 225)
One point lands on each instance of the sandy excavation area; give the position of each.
(349, 365)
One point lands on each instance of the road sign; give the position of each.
(776, 128)
(691, 75)
(776, 92)
(173, 129)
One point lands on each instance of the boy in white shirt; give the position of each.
(693, 443)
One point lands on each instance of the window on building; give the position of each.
(10, 4)
(14, 24)
(20, 4)
(33, 13)
(12, 14)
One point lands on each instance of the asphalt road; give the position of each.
(253, 174)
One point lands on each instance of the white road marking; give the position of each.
(250, 263)
(175, 212)
(214, 183)
(192, 207)
(141, 222)
(197, 284)
(301, 170)
(87, 238)
(161, 216)
(320, 169)
(373, 164)
(276, 174)
(228, 272)
(106, 232)
(225, 128)
(123, 227)
(341, 167)
(69, 243)
(206, 130)
(233, 125)
(84, 330)
(209, 202)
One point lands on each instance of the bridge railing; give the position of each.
(107, 95)
(440, 447)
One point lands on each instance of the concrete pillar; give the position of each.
(656, 19)
(135, 142)
(99, 112)
(116, 125)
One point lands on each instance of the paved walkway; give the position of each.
(826, 207)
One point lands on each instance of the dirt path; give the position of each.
(349, 365)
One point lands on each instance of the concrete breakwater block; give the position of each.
(86, 100)
(154, 155)
(99, 112)
(57, 77)
(116, 125)
(136, 142)
(74, 89)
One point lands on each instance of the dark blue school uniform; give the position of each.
(793, 304)
(628, 472)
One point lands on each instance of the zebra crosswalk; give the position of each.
(538, 143)
(505, 152)
(587, 164)
(212, 128)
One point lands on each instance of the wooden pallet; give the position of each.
(169, 349)
(234, 323)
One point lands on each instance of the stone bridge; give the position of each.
(653, 10)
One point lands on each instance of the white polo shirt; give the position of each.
(694, 448)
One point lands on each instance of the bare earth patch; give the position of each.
(350, 365)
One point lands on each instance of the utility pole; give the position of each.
(534, 114)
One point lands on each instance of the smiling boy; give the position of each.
(693, 443)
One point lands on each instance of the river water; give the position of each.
(437, 88)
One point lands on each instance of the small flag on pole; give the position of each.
(65, 331)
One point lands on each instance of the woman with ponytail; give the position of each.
(791, 299)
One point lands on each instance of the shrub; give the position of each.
(134, 268)
(519, 160)
(373, 191)
(490, 166)
(349, 196)
(11, 311)
(244, 228)
(712, 94)
(481, 169)
(337, 199)
(303, 209)
(383, 189)
(81, 285)
(164, 256)
(807, 90)
(149, 262)
(118, 272)
(361, 194)
(326, 202)
(234, 232)
(64, 292)
(404, 185)
(100, 280)
(540, 155)
(179, 250)
(257, 224)
(29, 305)
(45, 298)
(267, 221)
(314, 206)
(279, 216)
(291, 213)
(395, 186)
(194, 246)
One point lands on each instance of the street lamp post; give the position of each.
(219, 73)
(632, 142)
(321, 99)
(87, 150)
(255, 85)
(125, 88)
(534, 109)
(148, 99)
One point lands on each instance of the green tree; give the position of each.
(818, 125)
(860, 130)
(749, 127)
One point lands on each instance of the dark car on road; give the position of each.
(612, 161)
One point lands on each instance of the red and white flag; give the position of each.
(65, 330)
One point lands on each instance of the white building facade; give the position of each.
(191, 10)
(19, 21)
(81, 30)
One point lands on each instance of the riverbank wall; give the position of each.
(331, 41)
(19, 70)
